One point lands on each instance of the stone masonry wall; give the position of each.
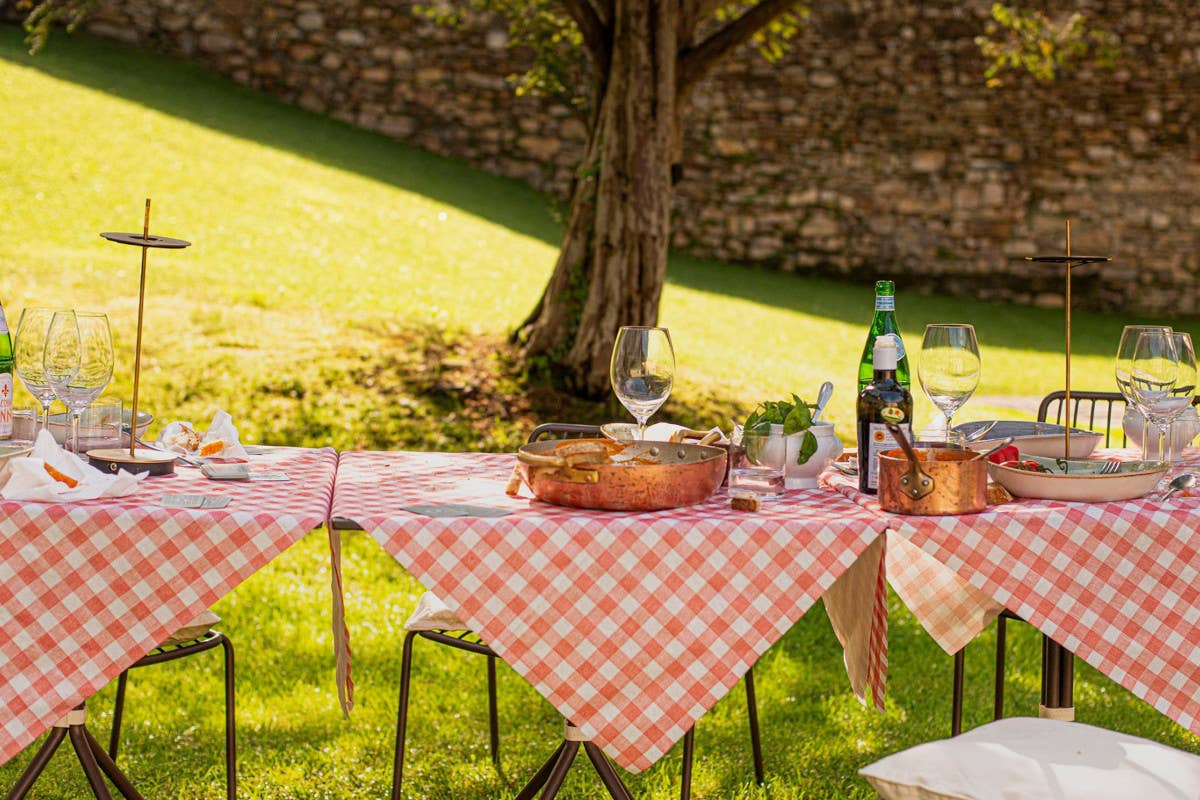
(873, 149)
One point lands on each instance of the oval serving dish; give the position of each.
(1082, 481)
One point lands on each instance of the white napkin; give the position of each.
(431, 614)
(29, 479)
(670, 432)
(221, 430)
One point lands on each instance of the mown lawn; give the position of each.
(347, 290)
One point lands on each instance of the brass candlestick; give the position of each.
(153, 461)
(1071, 262)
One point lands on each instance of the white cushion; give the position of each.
(1024, 758)
(431, 614)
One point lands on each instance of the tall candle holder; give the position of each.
(147, 460)
(1071, 263)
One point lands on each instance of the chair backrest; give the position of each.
(563, 430)
(1098, 411)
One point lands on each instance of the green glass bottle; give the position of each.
(884, 322)
(6, 379)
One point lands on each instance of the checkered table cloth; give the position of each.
(88, 588)
(631, 624)
(1118, 584)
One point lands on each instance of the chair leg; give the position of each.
(230, 722)
(956, 697)
(493, 713)
(402, 715)
(755, 740)
(114, 737)
(39, 762)
(685, 773)
(1001, 641)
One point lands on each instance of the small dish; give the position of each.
(1043, 439)
(1082, 480)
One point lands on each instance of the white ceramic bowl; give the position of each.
(1134, 479)
(60, 424)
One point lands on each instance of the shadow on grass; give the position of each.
(189, 92)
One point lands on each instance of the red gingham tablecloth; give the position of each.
(1116, 583)
(631, 625)
(88, 588)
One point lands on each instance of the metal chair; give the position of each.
(96, 762)
(181, 645)
(1100, 411)
(550, 777)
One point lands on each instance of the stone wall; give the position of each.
(873, 149)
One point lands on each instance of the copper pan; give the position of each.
(646, 475)
(933, 480)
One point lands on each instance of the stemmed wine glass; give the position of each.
(1163, 379)
(78, 361)
(950, 367)
(1124, 365)
(29, 348)
(642, 371)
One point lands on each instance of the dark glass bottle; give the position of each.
(884, 322)
(883, 400)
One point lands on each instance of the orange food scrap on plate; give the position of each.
(60, 477)
(211, 448)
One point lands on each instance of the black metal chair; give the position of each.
(187, 642)
(550, 777)
(1098, 411)
(96, 762)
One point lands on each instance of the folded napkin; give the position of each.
(29, 478)
(219, 441)
(431, 614)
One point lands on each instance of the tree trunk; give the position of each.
(613, 260)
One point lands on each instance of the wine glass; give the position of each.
(29, 347)
(950, 367)
(78, 361)
(1124, 365)
(642, 371)
(1163, 379)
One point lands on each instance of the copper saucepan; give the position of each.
(933, 481)
(643, 476)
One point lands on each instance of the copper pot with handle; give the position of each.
(600, 474)
(932, 481)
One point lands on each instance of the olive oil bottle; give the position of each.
(884, 400)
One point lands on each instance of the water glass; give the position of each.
(757, 464)
(100, 425)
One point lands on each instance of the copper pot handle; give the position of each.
(710, 437)
(916, 483)
(535, 460)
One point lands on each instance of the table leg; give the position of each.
(608, 775)
(1058, 675)
(550, 776)
(540, 777)
(88, 760)
(34, 770)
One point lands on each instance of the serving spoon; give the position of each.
(823, 395)
(1179, 483)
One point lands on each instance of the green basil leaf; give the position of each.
(807, 448)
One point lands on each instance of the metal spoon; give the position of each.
(823, 395)
(1179, 484)
(980, 432)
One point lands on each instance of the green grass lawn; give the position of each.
(347, 290)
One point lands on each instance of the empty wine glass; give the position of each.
(78, 361)
(1163, 379)
(1124, 365)
(950, 367)
(642, 371)
(29, 348)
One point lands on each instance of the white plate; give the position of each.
(1043, 439)
(7, 453)
(1080, 483)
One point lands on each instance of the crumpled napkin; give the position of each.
(29, 480)
(219, 441)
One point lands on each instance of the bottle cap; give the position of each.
(886, 352)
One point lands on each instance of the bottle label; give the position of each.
(880, 440)
(885, 302)
(6, 398)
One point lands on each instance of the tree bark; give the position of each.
(613, 261)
